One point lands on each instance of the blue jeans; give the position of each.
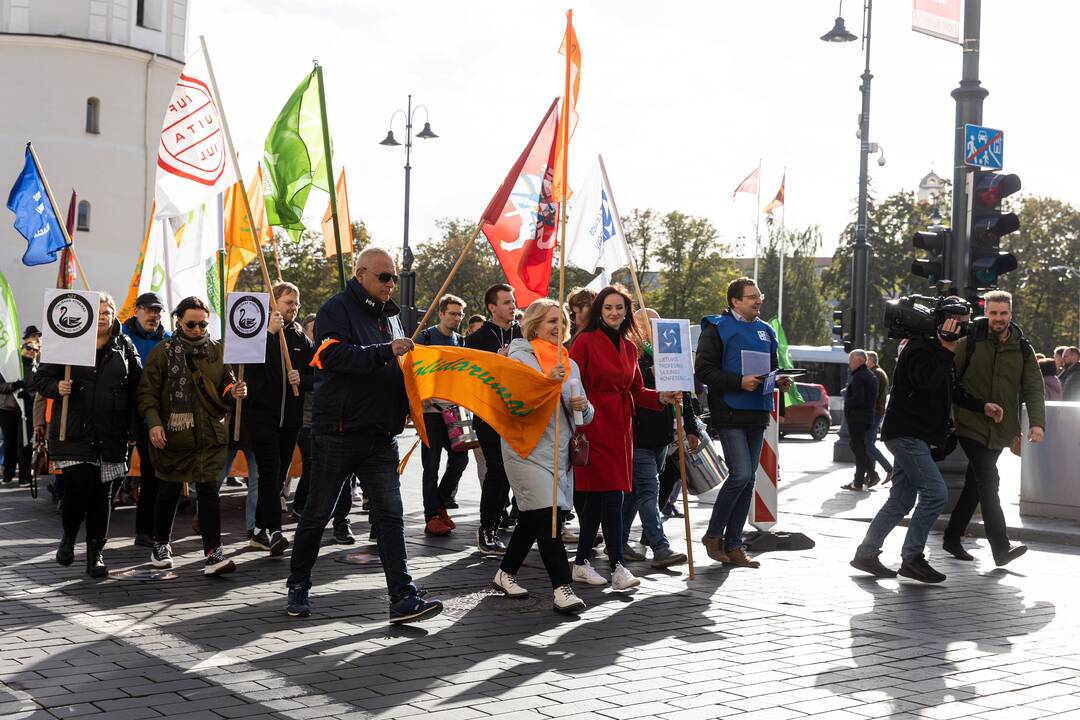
(252, 498)
(373, 459)
(642, 500)
(742, 450)
(915, 477)
(873, 453)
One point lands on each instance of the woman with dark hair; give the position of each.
(185, 395)
(1051, 382)
(101, 422)
(608, 359)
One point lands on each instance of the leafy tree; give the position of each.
(805, 313)
(695, 267)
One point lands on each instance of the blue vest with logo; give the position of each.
(737, 336)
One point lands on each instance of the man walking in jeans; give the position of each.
(873, 452)
(735, 351)
(360, 407)
(994, 361)
(859, 397)
(916, 429)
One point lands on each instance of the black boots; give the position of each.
(65, 554)
(95, 564)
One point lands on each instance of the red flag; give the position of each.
(749, 185)
(521, 219)
(65, 274)
(779, 199)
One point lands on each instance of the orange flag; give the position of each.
(568, 115)
(344, 222)
(779, 199)
(514, 399)
(128, 308)
(239, 248)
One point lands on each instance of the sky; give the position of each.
(682, 99)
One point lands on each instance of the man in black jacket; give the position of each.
(859, 398)
(916, 429)
(359, 409)
(493, 336)
(273, 415)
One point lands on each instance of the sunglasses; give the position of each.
(191, 325)
(388, 277)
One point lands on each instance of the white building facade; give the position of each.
(87, 81)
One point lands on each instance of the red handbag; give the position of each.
(579, 444)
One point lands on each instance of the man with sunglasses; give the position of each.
(358, 412)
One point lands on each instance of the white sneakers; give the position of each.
(507, 583)
(586, 574)
(623, 579)
(566, 601)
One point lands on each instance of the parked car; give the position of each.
(811, 416)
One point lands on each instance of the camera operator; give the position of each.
(917, 431)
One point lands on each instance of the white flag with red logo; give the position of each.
(192, 163)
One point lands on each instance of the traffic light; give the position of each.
(936, 242)
(987, 262)
(838, 329)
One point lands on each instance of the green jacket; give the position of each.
(1004, 374)
(882, 391)
(196, 454)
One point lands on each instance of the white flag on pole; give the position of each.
(192, 162)
(596, 238)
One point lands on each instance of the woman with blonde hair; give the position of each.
(530, 477)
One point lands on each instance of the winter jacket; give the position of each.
(1004, 374)
(195, 454)
(656, 428)
(9, 389)
(1053, 387)
(270, 401)
(882, 391)
(925, 387)
(359, 387)
(860, 396)
(530, 477)
(144, 342)
(1070, 383)
(490, 338)
(101, 415)
(710, 368)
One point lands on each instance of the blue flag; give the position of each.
(35, 218)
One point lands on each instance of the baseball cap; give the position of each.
(150, 300)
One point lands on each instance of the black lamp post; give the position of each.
(408, 277)
(860, 256)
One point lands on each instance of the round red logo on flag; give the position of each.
(192, 143)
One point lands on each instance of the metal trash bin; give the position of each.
(1049, 482)
(705, 468)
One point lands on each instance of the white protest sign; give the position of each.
(69, 328)
(246, 317)
(672, 364)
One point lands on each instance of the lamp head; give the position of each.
(839, 33)
(389, 139)
(426, 133)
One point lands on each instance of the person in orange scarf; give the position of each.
(531, 476)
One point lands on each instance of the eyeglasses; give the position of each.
(754, 297)
(387, 277)
(192, 324)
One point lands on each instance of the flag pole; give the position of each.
(247, 200)
(780, 283)
(565, 129)
(220, 207)
(622, 232)
(330, 175)
(757, 221)
(682, 477)
(56, 214)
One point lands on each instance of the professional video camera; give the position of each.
(921, 316)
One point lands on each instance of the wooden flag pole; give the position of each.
(330, 176)
(449, 277)
(682, 477)
(64, 406)
(247, 201)
(239, 405)
(56, 214)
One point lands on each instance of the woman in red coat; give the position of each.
(608, 360)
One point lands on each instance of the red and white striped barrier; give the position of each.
(764, 509)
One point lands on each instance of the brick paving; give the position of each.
(804, 636)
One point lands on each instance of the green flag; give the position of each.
(792, 396)
(294, 159)
(10, 357)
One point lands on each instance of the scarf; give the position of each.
(182, 415)
(546, 355)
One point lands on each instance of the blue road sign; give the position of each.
(983, 147)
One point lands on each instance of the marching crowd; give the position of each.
(171, 397)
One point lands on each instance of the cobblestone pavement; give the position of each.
(804, 636)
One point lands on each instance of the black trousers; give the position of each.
(857, 438)
(148, 485)
(980, 488)
(16, 452)
(495, 487)
(436, 492)
(343, 506)
(597, 509)
(534, 526)
(273, 448)
(85, 498)
(209, 504)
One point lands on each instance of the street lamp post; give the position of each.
(860, 277)
(408, 277)
(1071, 271)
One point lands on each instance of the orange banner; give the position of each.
(511, 397)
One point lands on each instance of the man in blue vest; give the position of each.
(735, 351)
